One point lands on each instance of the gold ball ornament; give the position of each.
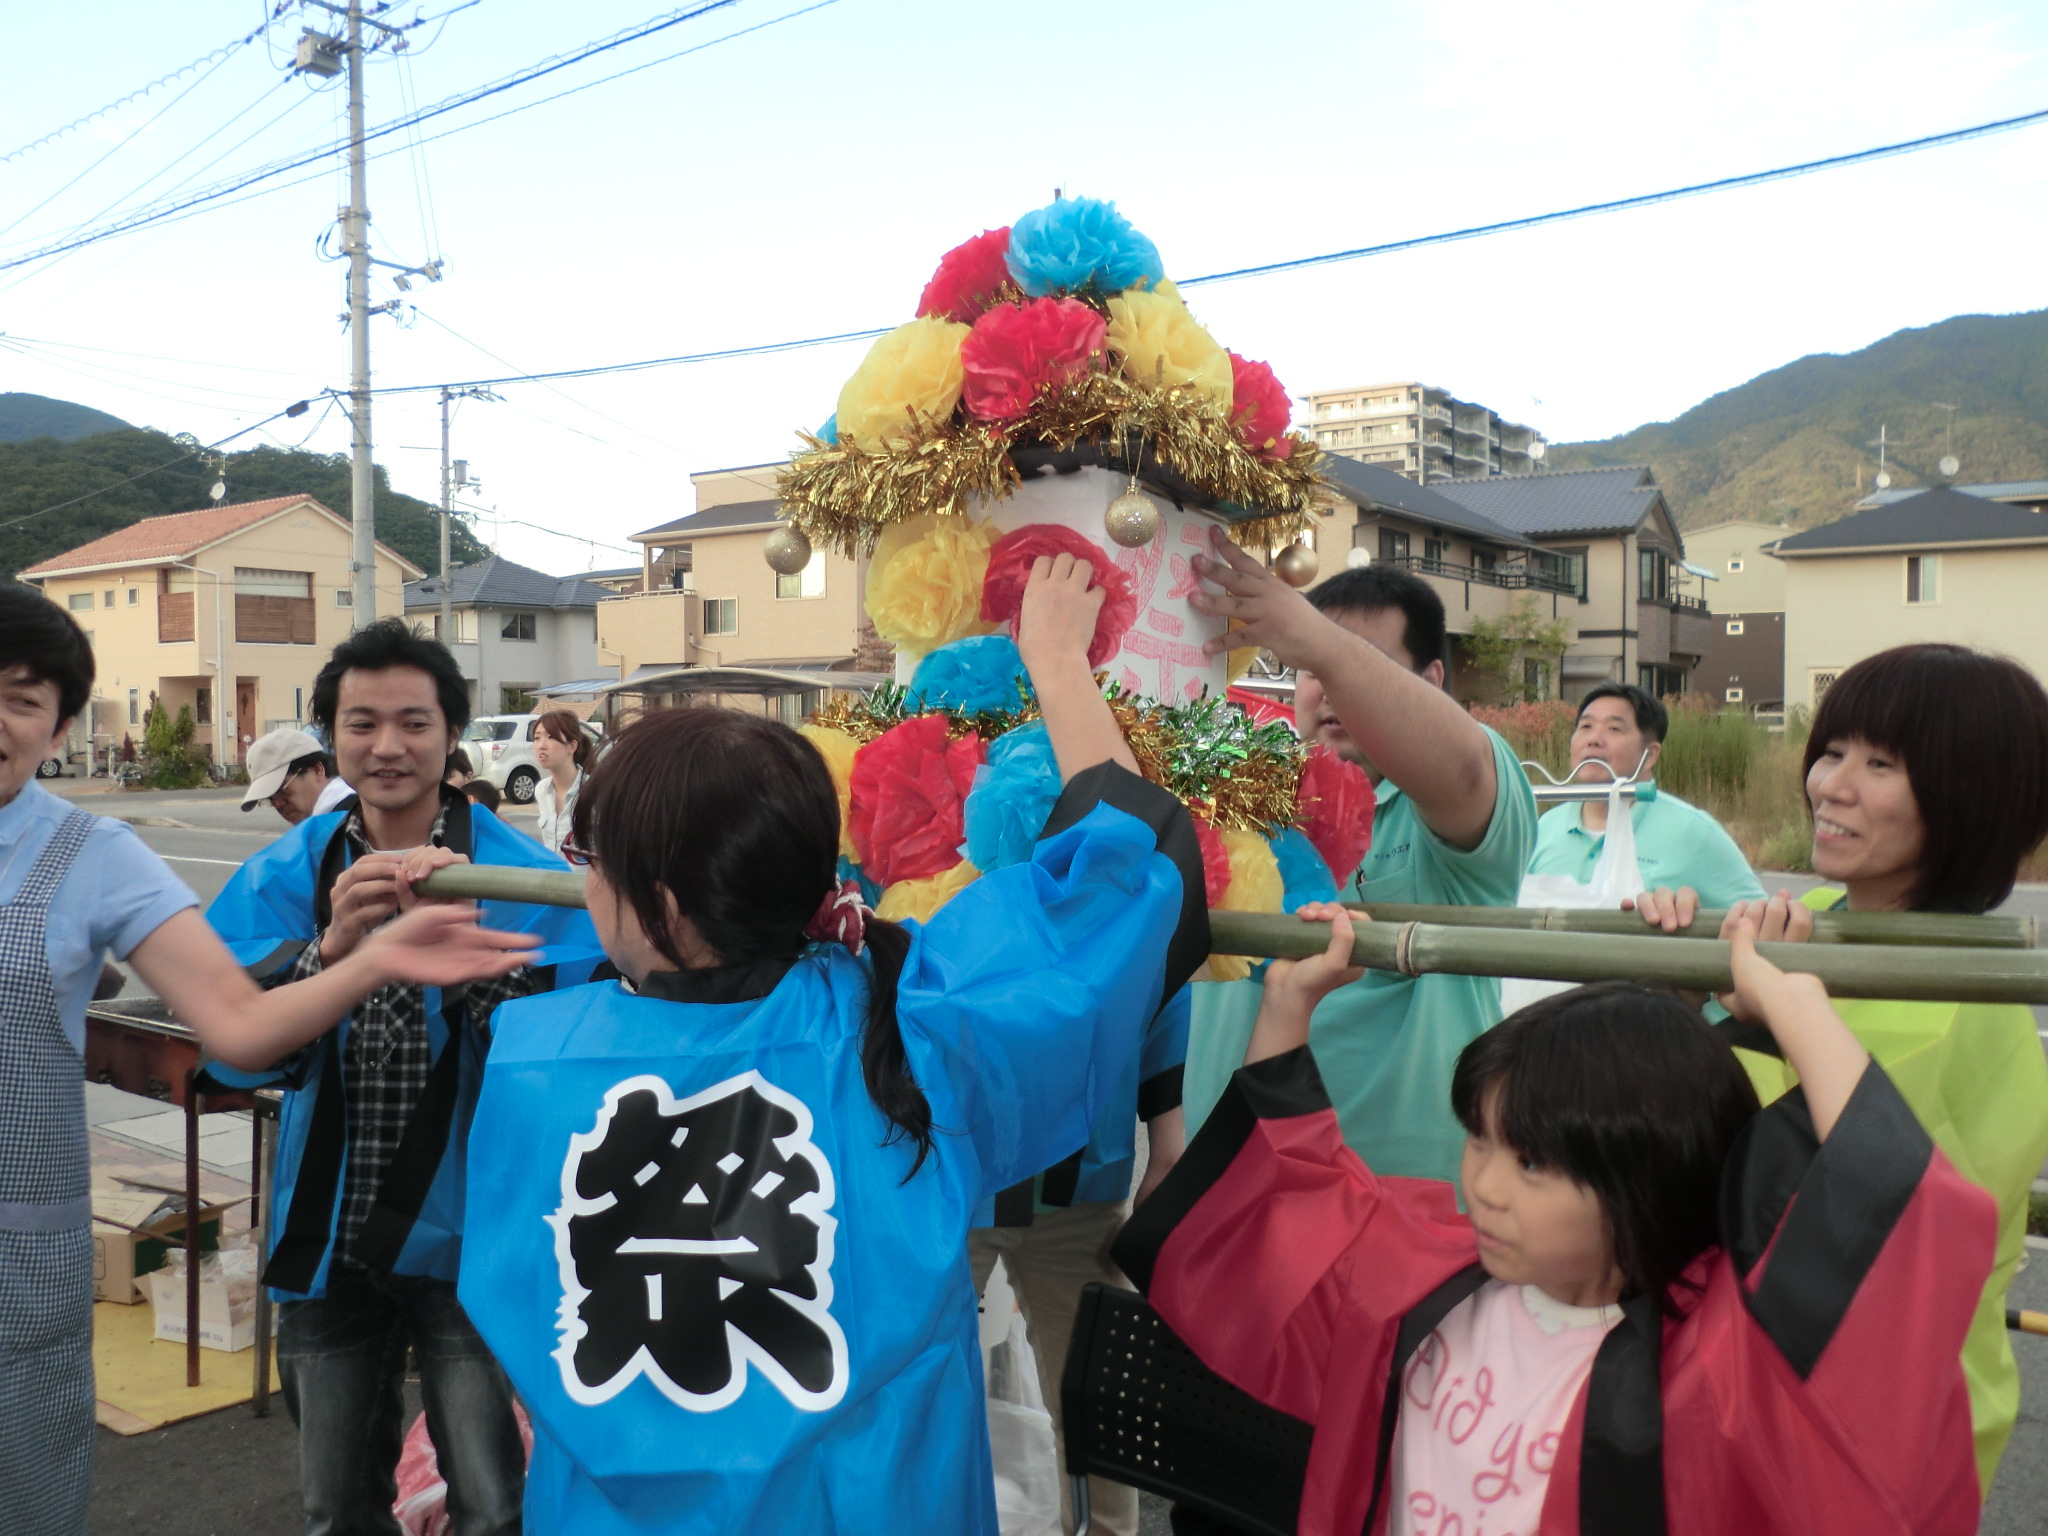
(787, 551)
(1295, 565)
(1132, 520)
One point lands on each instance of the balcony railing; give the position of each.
(1513, 578)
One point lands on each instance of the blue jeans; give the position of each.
(341, 1359)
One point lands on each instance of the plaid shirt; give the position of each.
(385, 1067)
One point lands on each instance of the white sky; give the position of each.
(805, 179)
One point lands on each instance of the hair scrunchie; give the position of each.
(841, 918)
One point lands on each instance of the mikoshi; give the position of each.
(1946, 973)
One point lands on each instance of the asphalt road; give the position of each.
(231, 1473)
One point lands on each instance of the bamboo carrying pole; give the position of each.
(1415, 948)
(1943, 930)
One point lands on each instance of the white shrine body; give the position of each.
(1161, 656)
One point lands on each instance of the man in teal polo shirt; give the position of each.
(1677, 844)
(1455, 824)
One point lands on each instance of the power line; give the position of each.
(137, 95)
(233, 184)
(1473, 232)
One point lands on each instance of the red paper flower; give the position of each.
(1215, 860)
(1009, 567)
(1258, 405)
(907, 797)
(969, 277)
(1337, 805)
(1016, 349)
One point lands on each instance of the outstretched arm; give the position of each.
(1407, 727)
(1294, 987)
(1054, 631)
(437, 944)
(1795, 1007)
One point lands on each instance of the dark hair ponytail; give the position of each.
(734, 818)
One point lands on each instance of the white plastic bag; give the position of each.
(1021, 1440)
(1615, 879)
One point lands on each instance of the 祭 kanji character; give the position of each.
(694, 1240)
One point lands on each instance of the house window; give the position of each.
(1433, 551)
(515, 698)
(1653, 576)
(134, 705)
(134, 596)
(344, 598)
(1734, 564)
(1393, 544)
(517, 626)
(721, 615)
(1482, 560)
(1735, 626)
(298, 703)
(1923, 578)
(107, 599)
(273, 607)
(1731, 695)
(808, 582)
(202, 705)
(79, 602)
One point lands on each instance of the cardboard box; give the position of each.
(227, 1307)
(121, 1259)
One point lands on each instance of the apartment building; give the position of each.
(1423, 432)
(514, 630)
(230, 611)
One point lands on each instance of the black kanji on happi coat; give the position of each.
(694, 1239)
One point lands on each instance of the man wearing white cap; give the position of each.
(293, 772)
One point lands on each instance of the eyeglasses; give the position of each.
(580, 858)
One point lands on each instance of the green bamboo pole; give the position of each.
(1941, 929)
(1908, 973)
(1902, 972)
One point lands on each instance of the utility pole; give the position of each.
(355, 232)
(479, 392)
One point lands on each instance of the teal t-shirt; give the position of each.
(1386, 1044)
(1677, 844)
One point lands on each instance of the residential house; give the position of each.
(620, 579)
(1640, 618)
(1481, 569)
(514, 629)
(2031, 494)
(248, 597)
(1939, 565)
(1744, 662)
(1420, 431)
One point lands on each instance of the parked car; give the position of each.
(500, 748)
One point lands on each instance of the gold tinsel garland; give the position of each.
(1251, 783)
(844, 495)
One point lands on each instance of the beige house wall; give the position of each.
(128, 656)
(723, 487)
(1759, 586)
(1842, 608)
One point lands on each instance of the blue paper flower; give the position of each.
(1014, 791)
(1067, 244)
(828, 434)
(968, 676)
(1303, 874)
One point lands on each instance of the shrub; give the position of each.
(169, 758)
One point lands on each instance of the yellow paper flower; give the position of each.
(837, 748)
(1239, 659)
(913, 369)
(1255, 886)
(924, 583)
(1159, 340)
(920, 899)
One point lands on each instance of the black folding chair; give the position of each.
(1139, 1408)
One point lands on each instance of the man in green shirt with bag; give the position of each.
(1455, 823)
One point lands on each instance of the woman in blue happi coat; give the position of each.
(717, 1211)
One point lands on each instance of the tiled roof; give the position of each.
(736, 514)
(501, 583)
(1369, 483)
(1933, 517)
(1996, 490)
(1570, 501)
(171, 537)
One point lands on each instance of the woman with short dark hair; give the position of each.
(1927, 780)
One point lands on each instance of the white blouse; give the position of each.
(554, 819)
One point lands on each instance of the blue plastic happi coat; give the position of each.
(698, 1248)
(265, 916)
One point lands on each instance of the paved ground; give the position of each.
(230, 1474)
